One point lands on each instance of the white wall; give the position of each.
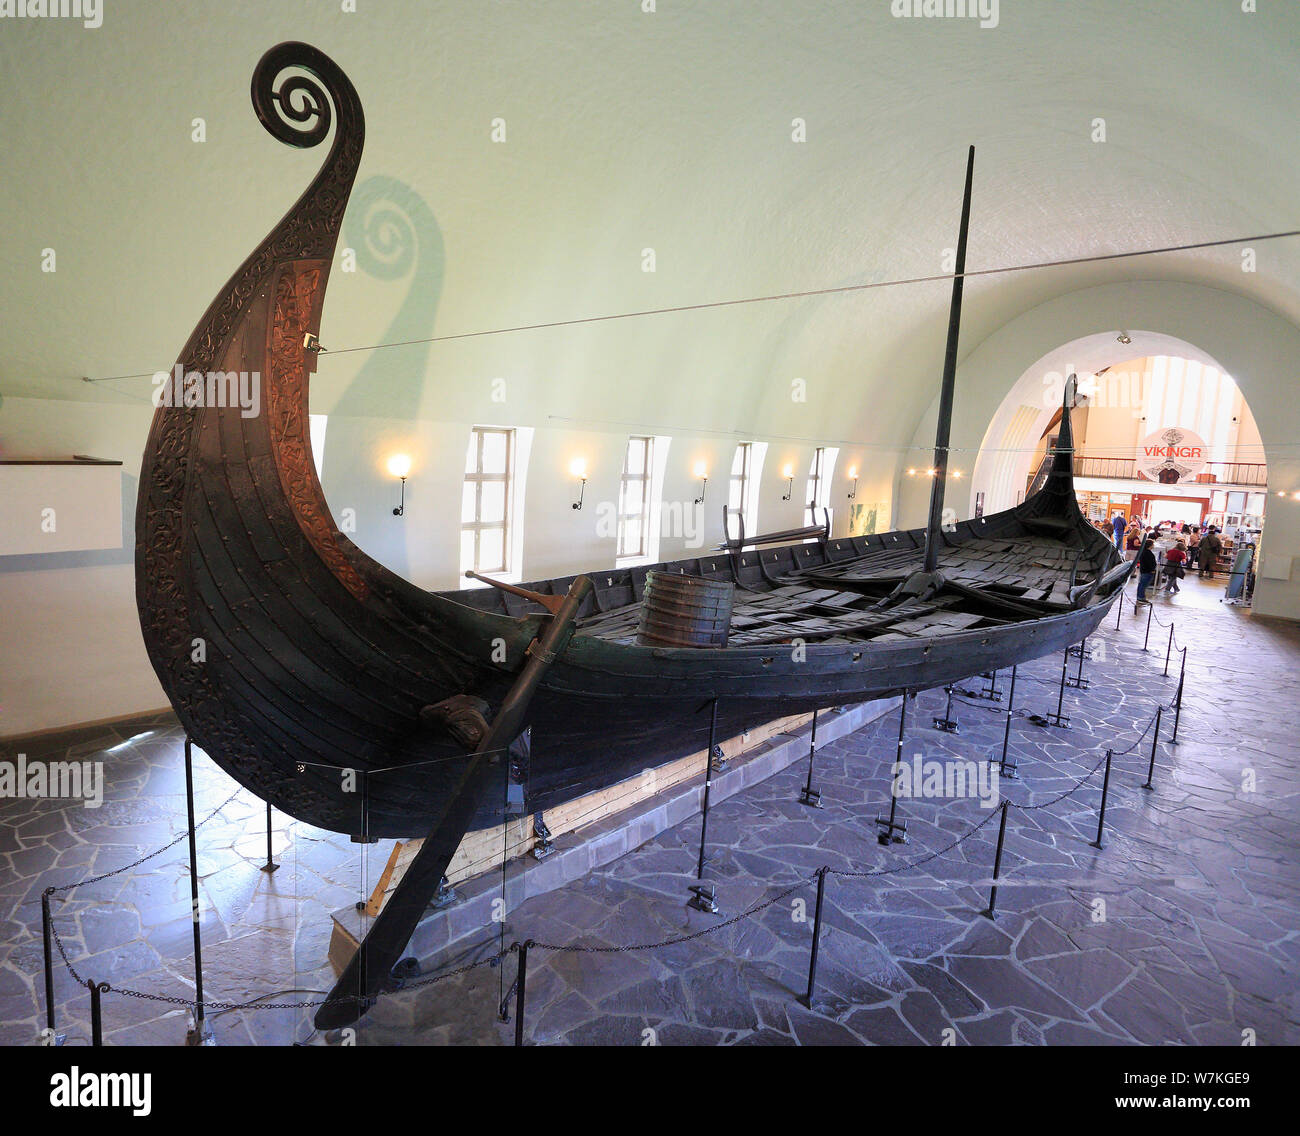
(70, 643)
(71, 650)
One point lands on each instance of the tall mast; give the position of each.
(934, 526)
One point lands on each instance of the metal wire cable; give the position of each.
(806, 294)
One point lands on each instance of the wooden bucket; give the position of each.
(685, 611)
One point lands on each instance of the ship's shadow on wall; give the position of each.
(395, 236)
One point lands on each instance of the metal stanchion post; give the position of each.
(200, 1032)
(1178, 698)
(991, 913)
(365, 807)
(816, 936)
(948, 724)
(708, 784)
(96, 1014)
(704, 896)
(1062, 720)
(1169, 650)
(1081, 683)
(520, 983)
(810, 796)
(1147, 637)
(47, 934)
(1155, 741)
(1005, 770)
(270, 865)
(894, 831)
(993, 694)
(1105, 790)
(1119, 610)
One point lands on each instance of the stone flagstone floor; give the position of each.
(1184, 929)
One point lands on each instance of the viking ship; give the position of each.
(298, 663)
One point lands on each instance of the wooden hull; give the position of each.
(301, 666)
(592, 730)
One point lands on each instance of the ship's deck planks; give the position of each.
(810, 603)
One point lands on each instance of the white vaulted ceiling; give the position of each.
(626, 131)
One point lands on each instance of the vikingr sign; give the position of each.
(1171, 455)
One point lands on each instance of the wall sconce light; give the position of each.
(788, 474)
(578, 468)
(956, 473)
(853, 473)
(1124, 337)
(702, 472)
(399, 465)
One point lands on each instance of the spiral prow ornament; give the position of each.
(298, 111)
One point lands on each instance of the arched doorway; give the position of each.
(1254, 344)
(1164, 429)
(1162, 434)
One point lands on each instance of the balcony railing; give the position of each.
(1213, 473)
(1254, 474)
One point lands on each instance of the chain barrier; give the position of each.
(1022, 712)
(176, 1000)
(1079, 784)
(148, 856)
(847, 874)
(579, 948)
(1170, 626)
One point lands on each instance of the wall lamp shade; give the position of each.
(578, 467)
(399, 465)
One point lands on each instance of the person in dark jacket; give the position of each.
(1146, 570)
(1210, 548)
(1119, 524)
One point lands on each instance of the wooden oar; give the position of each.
(369, 969)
